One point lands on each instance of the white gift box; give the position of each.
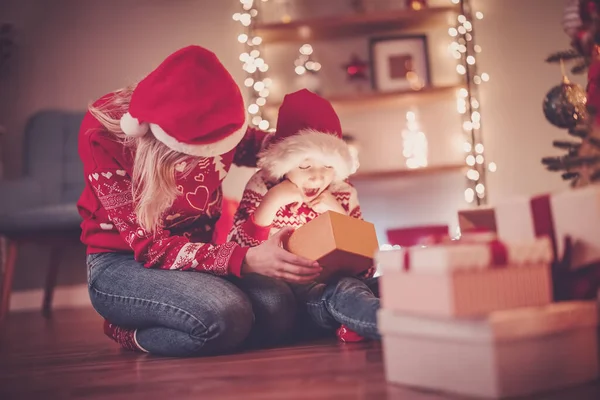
(573, 212)
(509, 353)
(462, 280)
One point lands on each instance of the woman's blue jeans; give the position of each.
(180, 313)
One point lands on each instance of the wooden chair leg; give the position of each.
(7, 277)
(51, 276)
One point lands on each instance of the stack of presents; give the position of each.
(508, 309)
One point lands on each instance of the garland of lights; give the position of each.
(464, 50)
(254, 65)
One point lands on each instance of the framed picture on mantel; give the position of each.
(399, 63)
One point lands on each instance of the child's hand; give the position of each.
(285, 193)
(326, 202)
(278, 196)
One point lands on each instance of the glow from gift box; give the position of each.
(254, 65)
(414, 143)
(465, 51)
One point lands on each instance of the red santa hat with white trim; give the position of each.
(307, 126)
(190, 103)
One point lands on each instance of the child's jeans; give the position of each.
(346, 301)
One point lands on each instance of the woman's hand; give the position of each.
(270, 259)
(326, 201)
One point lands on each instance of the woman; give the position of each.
(154, 156)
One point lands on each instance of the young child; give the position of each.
(303, 171)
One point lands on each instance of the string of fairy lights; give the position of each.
(463, 48)
(253, 63)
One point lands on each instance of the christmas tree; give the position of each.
(568, 105)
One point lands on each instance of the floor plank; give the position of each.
(68, 357)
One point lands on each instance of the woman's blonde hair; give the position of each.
(153, 182)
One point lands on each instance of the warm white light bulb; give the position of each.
(256, 120)
(258, 86)
(264, 93)
(492, 167)
(470, 160)
(485, 77)
(249, 82)
(300, 70)
(461, 69)
(467, 147)
(254, 53)
(479, 159)
(472, 174)
(471, 60)
(264, 125)
(469, 195)
(306, 49)
(263, 68)
(479, 15)
(452, 32)
(253, 108)
(480, 188)
(242, 38)
(256, 40)
(261, 101)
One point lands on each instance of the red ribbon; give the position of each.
(498, 250)
(543, 223)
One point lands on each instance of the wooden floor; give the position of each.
(68, 357)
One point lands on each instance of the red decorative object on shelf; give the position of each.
(356, 69)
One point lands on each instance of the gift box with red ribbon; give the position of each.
(573, 213)
(466, 278)
(480, 219)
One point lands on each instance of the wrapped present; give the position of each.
(418, 235)
(480, 219)
(341, 244)
(516, 352)
(466, 279)
(574, 213)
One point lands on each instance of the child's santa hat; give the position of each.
(190, 103)
(307, 126)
